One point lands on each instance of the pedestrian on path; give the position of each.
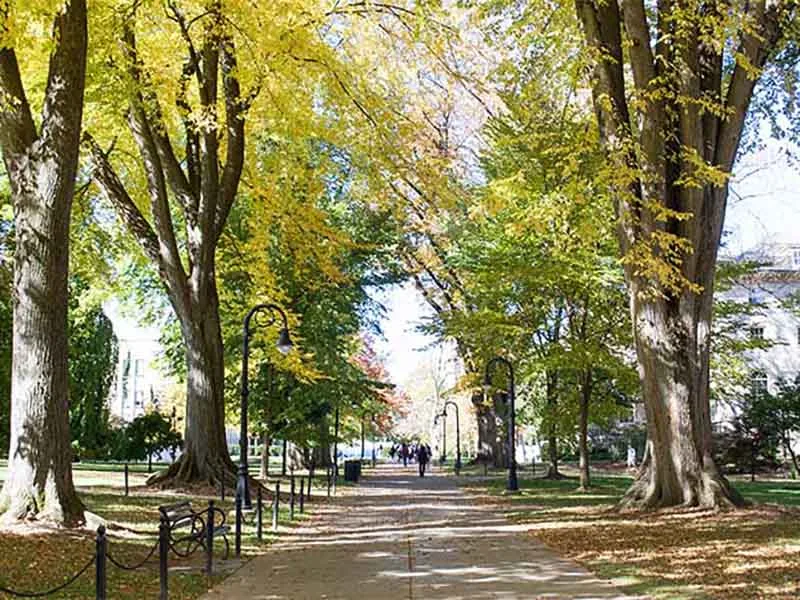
(423, 456)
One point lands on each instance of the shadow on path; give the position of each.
(399, 536)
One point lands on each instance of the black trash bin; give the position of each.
(352, 470)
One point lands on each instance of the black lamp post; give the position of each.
(513, 485)
(284, 346)
(458, 433)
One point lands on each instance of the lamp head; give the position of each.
(284, 341)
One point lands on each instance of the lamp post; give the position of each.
(363, 438)
(513, 485)
(284, 345)
(458, 432)
(444, 436)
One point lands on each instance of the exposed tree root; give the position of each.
(186, 472)
(708, 489)
(553, 474)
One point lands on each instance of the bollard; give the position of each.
(238, 523)
(276, 505)
(126, 479)
(485, 469)
(260, 509)
(302, 494)
(291, 500)
(210, 539)
(100, 564)
(308, 486)
(163, 554)
(533, 466)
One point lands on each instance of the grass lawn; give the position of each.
(35, 561)
(675, 554)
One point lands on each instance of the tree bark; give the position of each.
(267, 442)
(583, 429)
(679, 469)
(551, 391)
(490, 448)
(41, 167)
(205, 456)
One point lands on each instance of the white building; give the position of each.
(768, 291)
(138, 383)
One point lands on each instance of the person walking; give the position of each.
(404, 454)
(423, 456)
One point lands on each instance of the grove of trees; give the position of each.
(551, 177)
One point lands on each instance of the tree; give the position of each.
(203, 184)
(41, 159)
(671, 135)
(148, 434)
(92, 360)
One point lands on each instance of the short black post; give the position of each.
(127, 489)
(100, 564)
(485, 469)
(533, 466)
(308, 486)
(291, 500)
(276, 506)
(163, 554)
(259, 518)
(210, 539)
(238, 522)
(302, 494)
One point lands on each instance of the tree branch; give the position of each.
(113, 189)
(63, 99)
(17, 129)
(235, 143)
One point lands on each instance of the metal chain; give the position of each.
(138, 565)
(71, 580)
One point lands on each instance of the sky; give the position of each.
(764, 206)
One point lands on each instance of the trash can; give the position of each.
(352, 470)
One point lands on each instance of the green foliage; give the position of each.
(148, 434)
(92, 359)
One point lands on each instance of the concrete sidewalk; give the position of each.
(401, 537)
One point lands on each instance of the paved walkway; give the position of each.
(402, 537)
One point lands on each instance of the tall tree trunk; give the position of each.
(41, 168)
(490, 449)
(680, 469)
(267, 442)
(500, 440)
(205, 456)
(793, 456)
(583, 429)
(551, 391)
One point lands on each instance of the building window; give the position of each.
(798, 335)
(756, 333)
(758, 383)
